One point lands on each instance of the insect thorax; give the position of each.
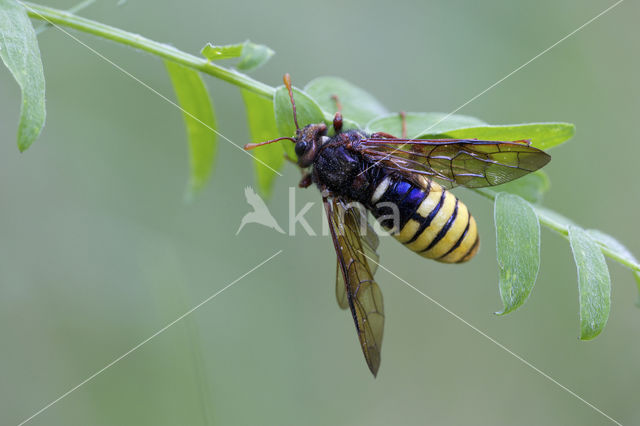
(343, 170)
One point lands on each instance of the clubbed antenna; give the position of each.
(250, 146)
(287, 83)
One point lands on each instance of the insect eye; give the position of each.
(301, 148)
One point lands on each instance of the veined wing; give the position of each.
(370, 243)
(363, 295)
(468, 162)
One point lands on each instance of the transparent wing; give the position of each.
(468, 162)
(363, 295)
(370, 244)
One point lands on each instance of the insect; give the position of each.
(404, 184)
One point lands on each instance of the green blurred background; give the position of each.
(98, 250)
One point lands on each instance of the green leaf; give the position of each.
(618, 248)
(307, 109)
(518, 246)
(441, 126)
(422, 124)
(531, 187)
(542, 135)
(19, 52)
(214, 53)
(254, 56)
(357, 104)
(200, 121)
(262, 126)
(594, 283)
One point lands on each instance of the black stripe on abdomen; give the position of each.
(431, 221)
(426, 221)
(445, 228)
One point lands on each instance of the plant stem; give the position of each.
(561, 229)
(63, 18)
(75, 9)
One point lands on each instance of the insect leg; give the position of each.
(337, 122)
(337, 101)
(305, 182)
(403, 117)
(337, 119)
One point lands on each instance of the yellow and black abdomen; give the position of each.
(429, 220)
